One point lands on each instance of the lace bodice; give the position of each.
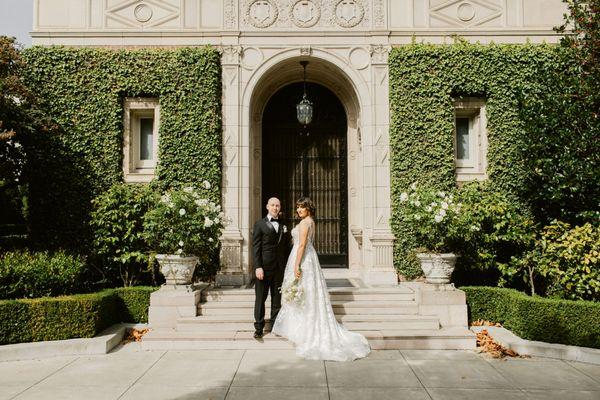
(296, 234)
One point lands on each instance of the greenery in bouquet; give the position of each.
(186, 223)
(432, 216)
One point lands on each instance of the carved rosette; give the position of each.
(305, 13)
(261, 13)
(349, 13)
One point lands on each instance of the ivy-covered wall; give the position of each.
(82, 90)
(425, 80)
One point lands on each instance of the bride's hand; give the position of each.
(297, 271)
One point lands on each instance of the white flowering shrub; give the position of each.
(432, 216)
(185, 223)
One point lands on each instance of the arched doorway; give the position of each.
(312, 162)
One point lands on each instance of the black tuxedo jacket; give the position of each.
(270, 248)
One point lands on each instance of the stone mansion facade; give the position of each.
(346, 44)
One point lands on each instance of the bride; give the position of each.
(310, 324)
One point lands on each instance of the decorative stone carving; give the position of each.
(357, 233)
(305, 51)
(379, 54)
(136, 14)
(231, 54)
(349, 13)
(230, 14)
(142, 12)
(359, 58)
(252, 56)
(378, 14)
(466, 12)
(305, 13)
(262, 13)
(231, 272)
(176, 269)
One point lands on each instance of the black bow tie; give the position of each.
(274, 220)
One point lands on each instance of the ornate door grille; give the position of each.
(295, 164)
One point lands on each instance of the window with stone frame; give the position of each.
(470, 139)
(141, 118)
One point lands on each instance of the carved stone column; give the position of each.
(382, 270)
(232, 268)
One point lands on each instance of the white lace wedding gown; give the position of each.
(312, 326)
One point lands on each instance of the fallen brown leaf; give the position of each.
(485, 344)
(134, 335)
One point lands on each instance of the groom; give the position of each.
(270, 245)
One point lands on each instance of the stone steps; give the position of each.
(209, 323)
(339, 308)
(445, 338)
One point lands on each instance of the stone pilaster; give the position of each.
(232, 268)
(381, 271)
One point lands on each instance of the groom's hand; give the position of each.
(260, 274)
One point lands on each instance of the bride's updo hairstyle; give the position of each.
(307, 203)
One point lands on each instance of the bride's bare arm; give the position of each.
(303, 228)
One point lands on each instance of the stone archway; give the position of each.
(358, 78)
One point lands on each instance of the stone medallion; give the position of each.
(349, 13)
(261, 13)
(142, 13)
(305, 13)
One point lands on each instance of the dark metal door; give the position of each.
(309, 163)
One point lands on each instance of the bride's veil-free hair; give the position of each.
(307, 203)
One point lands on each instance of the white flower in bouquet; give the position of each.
(179, 251)
(442, 212)
(413, 186)
(182, 211)
(208, 222)
(404, 197)
(429, 209)
(165, 198)
(211, 239)
(433, 204)
(444, 205)
(180, 243)
(442, 194)
(206, 184)
(292, 292)
(417, 217)
(438, 218)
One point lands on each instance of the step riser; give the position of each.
(248, 311)
(334, 303)
(334, 297)
(358, 326)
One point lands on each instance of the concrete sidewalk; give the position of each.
(129, 373)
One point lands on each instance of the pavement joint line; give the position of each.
(326, 380)
(513, 384)
(144, 373)
(46, 377)
(595, 379)
(415, 374)
(234, 374)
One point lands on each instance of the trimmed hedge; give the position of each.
(25, 274)
(535, 318)
(82, 91)
(67, 317)
(424, 81)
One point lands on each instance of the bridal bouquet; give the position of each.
(292, 292)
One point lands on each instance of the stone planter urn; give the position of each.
(437, 267)
(177, 270)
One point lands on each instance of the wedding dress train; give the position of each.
(311, 325)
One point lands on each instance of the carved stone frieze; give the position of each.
(466, 13)
(293, 14)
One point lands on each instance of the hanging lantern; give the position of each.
(304, 109)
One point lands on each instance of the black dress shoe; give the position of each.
(258, 335)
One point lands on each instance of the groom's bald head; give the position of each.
(273, 207)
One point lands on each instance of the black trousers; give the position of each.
(271, 283)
